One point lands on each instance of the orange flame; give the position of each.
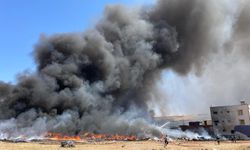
(89, 136)
(60, 137)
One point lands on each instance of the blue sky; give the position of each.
(22, 22)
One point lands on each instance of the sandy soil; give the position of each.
(137, 145)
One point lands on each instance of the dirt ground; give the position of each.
(135, 145)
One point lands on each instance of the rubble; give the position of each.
(67, 144)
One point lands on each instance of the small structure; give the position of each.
(226, 118)
(198, 127)
(67, 144)
(243, 129)
(176, 121)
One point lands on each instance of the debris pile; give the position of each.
(67, 144)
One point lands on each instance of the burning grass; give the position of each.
(90, 137)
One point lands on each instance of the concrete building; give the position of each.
(225, 118)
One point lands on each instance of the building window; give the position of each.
(215, 112)
(240, 112)
(228, 111)
(242, 122)
(224, 130)
(216, 122)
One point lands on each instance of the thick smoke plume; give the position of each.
(102, 80)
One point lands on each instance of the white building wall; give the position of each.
(225, 118)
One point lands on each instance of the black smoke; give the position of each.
(101, 80)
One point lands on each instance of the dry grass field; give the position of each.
(136, 145)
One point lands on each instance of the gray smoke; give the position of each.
(102, 80)
(224, 79)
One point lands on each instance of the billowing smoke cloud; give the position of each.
(102, 80)
(225, 77)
